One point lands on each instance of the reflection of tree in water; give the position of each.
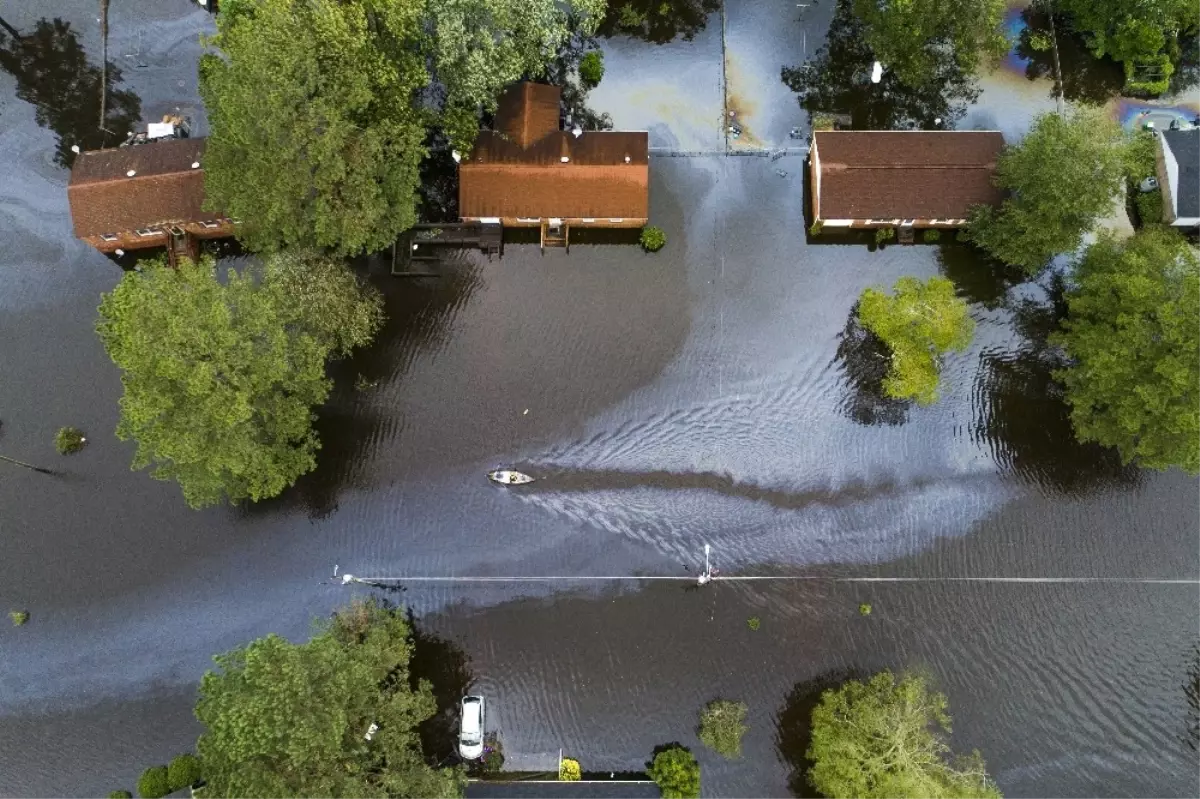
(54, 75)
(794, 727)
(563, 71)
(1191, 687)
(838, 81)
(977, 277)
(439, 181)
(445, 665)
(1085, 77)
(657, 21)
(1023, 414)
(865, 360)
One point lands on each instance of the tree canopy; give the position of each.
(1132, 335)
(919, 322)
(1131, 30)
(722, 725)
(220, 377)
(289, 720)
(1062, 177)
(885, 739)
(910, 37)
(676, 771)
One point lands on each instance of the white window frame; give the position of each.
(489, 220)
(836, 222)
(615, 219)
(588, 219)
(208, 225)
(529, 219)
(147, 232)
(109, 237)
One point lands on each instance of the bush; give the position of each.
(183, 771)
(18, 617)
(154, 783)
(753, 622)
(569, 770)
(1149, 77)
(653, 239)
(931, 235)
(883, 234)
(676, 771)
(816, 228)
(591, 68)
(120, 795)
(69, 440)
(493, 754)
(722, 725)
(1149, 207)
(865, 609)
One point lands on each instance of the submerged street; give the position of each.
(708, 393)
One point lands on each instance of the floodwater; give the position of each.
(715, 392)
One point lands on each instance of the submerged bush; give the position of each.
(653, 239)
(154, 783)
(722, 725)
(865, 609)
(931, 235)
(120, 795)
(69, 440)
(883, 234)
(183, 771)
(816, 228)
(591, 68)
(569, 770)
(676, 771)
(18, 617)
(753, 622)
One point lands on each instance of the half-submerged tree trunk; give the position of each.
(16, 34)
(103, 64)
(28, 465)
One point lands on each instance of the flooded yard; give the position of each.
(710, 393)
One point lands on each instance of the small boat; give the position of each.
(470, 728)
(509, 477)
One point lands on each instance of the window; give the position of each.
(109, 237)
(529, 219)
(617, 219)
(147, 231)
(210, 225)
(588, 219)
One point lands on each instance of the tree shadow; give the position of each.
(657, 21)
(348, 426)
(448, 669)
(977, 277)
(54, 75)
(563, 72)
(1191, 688)
(865, 360)
(1022, 412)
(438, 192)
(793, 733)
(838, 81)
(1085, 77)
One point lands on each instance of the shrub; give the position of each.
(69, 440)
(18, 617)
(154, 783)
(1149, 207)
(120, 795)
(865, 609)
(816, 228)
(493, 754)
(569, 770)
(931, 235)
(753, 622)
(653, 239)
(722, 725)
(883, 234)
(183, 771)
(1040, 41)
(676, 771)
(823, 121)
(591, 68)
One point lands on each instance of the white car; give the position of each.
(470, 728)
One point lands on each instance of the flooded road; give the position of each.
(713, 392)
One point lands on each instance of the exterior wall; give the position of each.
(1163, 174)
(575, 222)
(814, 179)
(947, 224)
(129, 240)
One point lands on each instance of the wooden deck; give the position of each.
(424, 242)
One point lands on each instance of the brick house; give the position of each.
(148, 195)
(901, 179)
(528, 172)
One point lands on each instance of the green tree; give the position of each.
(153, 784)
(908, 36)
(1132, 335)
(676, 771)
(183, 770)
(919, 322)
(722, 725)
(120, 795)
(316, 136)
(284, 719)
(1062, 177)
(220, 377)
(477, 47)
(1132, 30)
(885, 739)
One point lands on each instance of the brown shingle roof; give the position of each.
(165, 189)
(528, 111)
(507, 175)
(906, 175)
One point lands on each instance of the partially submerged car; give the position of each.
(470, 728)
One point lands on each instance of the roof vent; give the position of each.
(564, 159)
(627, 159)
(456, 155)
(195, 165)
(577, 131)
(75, 149)
(131, 173)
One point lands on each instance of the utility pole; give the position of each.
(103, 64)
(28, 465)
